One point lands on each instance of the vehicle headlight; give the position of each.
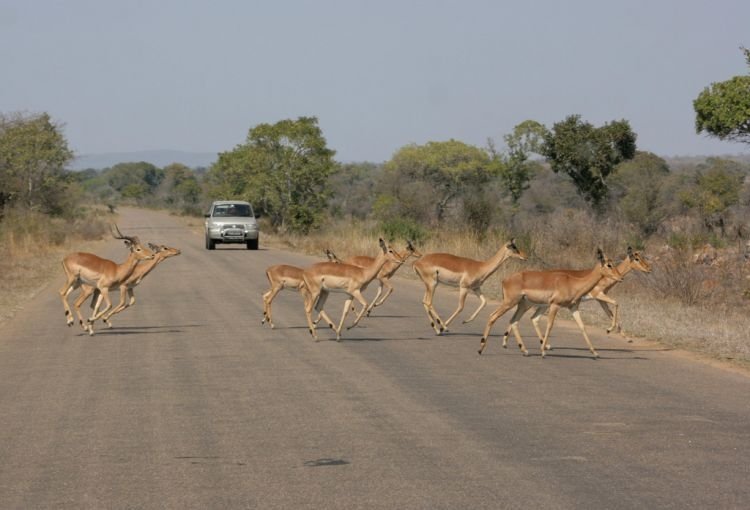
(251, 226)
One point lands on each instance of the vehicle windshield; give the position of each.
(233, 210)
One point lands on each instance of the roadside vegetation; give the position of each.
(561, 191)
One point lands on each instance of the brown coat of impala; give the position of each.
(633, 261)
(103, 274)
(464, 273)
(556, 289)
(385, 274)
(326, 277)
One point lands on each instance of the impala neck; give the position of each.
(490, 265)
(589, 281)
(371, 272)
(625, 267)
(146, 266)
(125, 269)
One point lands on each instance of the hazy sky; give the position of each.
(197, 75)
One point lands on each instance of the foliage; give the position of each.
(717, 186)
(33, 155)
(135, 181)
(516, 170)
(352, 188)
(283, 169)
(723, 109)
(637, 184)
(403, 228)
(423, 181)
(588, 154)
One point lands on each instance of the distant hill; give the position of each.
(159, 158)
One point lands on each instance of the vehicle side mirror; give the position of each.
(207, 215)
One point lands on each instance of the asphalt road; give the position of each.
(188, 402)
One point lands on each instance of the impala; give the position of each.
(326, 277)
(633, 261)
(464, 273)
(161, 253)
(385, 273)
(103, 274)
(284, 276)
(556, 289)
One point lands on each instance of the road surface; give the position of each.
(189, 402)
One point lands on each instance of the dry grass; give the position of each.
(31, 248)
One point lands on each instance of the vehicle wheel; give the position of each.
(210, 243)
(252, 244)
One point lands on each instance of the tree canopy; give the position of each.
(588, 154)
(282, 169)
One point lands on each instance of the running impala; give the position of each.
(88, 269)
(326, 277)
(634, 261)
(385, 274)
(556, 289)
(464, 273)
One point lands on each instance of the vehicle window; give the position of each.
(233, 210)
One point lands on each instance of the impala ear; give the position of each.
(630, 252)
(600, 256)
(382, 245)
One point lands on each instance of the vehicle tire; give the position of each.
(252, 244)
(210, 243)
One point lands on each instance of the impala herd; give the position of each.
(548, 290)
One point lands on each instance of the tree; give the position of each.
(432, 177)
(588, 154)
(717, 186)
(137, 180)
(723, 109)
(637, 183)
(283, 169)
(516, 170)
(33, 155)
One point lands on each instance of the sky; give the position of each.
(196, 76)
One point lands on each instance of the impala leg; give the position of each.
(70, 284)
(358, 296)
(535, 318)
(374, 302)
(388, 291)
(268, 298)
(521, 309)
(494, 316)
(125, 291)
(553, 309)
(321, 312)
(482, 302)
(579, 321)
(429, 294)
(309, 304)
(86, 291)
(603, 300)
(347, 304)
(462, 293)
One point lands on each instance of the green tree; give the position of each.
(723, 109)
(637, 184)
(137, 180)
(33, 156)
(516, 171)
(422, 181)
(283, 168)
(588, 154)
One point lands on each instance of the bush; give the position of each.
(403, 229)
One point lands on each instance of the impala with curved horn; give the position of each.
(103, 274)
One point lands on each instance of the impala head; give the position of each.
(163, 252)
(411, 251)
(134, 244)
(638, 261)
(390, 252)
(332, 257)
(513, 250)
(609, 269)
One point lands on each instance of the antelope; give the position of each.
(103, 274)
(385, 274)
(326, 277)
(556, 289)
(161, 253)
(284, 276)
(464, 273)
(633, 261)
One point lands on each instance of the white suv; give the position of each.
(231, 221)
